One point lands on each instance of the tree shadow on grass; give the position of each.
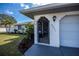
(11, 48)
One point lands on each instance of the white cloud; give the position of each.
(9, 12)
(35, 3)
(38, 4)
(26, 7)
(22, 4)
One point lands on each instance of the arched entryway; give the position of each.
(43, 30)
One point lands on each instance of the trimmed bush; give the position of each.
(28, 41)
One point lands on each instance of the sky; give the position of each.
(14, 8)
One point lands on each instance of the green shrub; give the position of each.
(28, 41)
(29, 30)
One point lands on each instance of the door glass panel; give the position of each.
(43, 30)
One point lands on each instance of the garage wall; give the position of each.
(54, 26)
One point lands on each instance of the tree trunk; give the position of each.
(9, 28)
(6, 28)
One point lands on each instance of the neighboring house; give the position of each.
(20, 27)
(2, 29)
(55, 25)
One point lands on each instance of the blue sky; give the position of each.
(13, 9)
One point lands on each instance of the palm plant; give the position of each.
(7, 20)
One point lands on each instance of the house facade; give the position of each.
(2, 30)
(19, 27)
(55, 24)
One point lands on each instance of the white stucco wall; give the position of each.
(54, 26)
(2, 30)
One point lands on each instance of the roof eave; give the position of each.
(31, 12)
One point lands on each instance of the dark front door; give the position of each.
(43, 30)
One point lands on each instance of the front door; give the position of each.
(43, 30)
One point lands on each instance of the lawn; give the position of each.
(9, 44)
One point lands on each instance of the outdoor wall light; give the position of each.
(54, 18)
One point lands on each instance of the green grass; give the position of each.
(9, 44)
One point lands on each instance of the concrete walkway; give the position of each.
(41, 50)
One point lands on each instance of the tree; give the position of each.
(7, 20)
